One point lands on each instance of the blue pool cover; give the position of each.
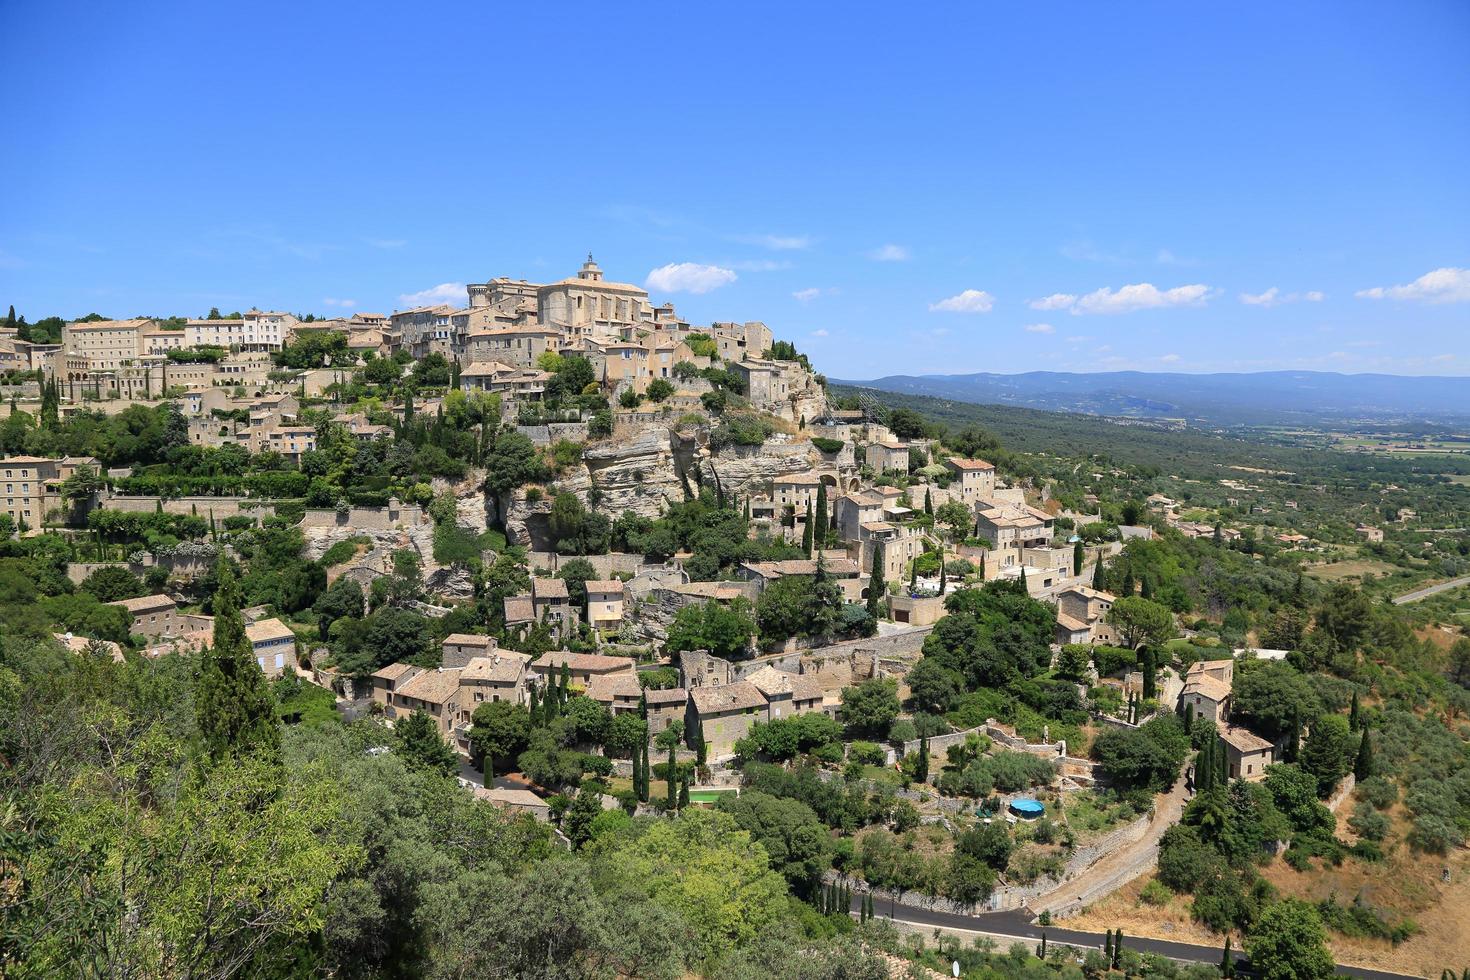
(1027, 807)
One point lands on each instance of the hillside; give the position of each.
(1271, 397)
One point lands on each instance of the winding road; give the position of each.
(1430, 590)
(1016, 926)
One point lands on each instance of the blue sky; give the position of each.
(896, 188)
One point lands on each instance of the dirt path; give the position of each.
(1120, 867)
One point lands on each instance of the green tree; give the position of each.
(1288, 942)
(876, 586)
(1363, 764)
(421, 745)
(500, 730)
(235, 712)
(1328, 752)
(1141, 621)
(870, 707)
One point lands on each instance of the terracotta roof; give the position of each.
(608, 687)
(518, 609)
(144, 603)
(771, 681)
(708, 590)
(1211, 687)
(1242, 740)
(592, 662)
(727, 697)
(469, 640)
(1071, 625)
(605, 585)
(511, 797)
(268, 629)
(970, 464)
(433, 686)
(394, 671)
(499, 669)
(548, 588)
(666, 695)
(1089, 593)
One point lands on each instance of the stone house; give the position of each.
(154, 616)
(1208, 696)
(273, 645)
(786, 694)
(724, 714)
(915, 611)
(884, 456)
(1248, 754)
(386, 680)
(434, 692)
(582, 667)
(605, 603)
(458, 649)
(853, 510)
(974, 481)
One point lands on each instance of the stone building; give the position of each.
(587, 305)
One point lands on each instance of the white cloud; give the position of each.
(1275, 297)
(345, 303)
(777, 243)
(1040, 328)
(1447, 285)
(969, 301)
(446, 292)
(890, 253)
(819, 333)
(1138, 296)
(1056, 301)
(806, 295)
(689, 277)
(1169, 358)
(1443, 357)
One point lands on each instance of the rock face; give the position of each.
(642, 472)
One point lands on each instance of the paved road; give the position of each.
(1428, 591)
(1016, 925)
(1115, 870)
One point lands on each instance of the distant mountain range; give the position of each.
(1223, 399)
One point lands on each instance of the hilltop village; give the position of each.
(600, 565)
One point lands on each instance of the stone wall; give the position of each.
(220, 507)
(189, 567)
(365, 518)
(606, 565)
(545, 435)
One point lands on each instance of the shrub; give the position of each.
(868, 753)
(828, 445)
(1154, 893)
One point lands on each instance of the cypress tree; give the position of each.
(1354, 721)
(1117, 947)
(565, 688)
(1077, 557)
(1099, 577)
(684, 792)
(1204, 768)
(819, 538)
(235, 712)
(1126, 588)
(1293, 740)
(1146, 588)
(747, 510)
(1222, 761)
(643, 707)
(876, 585)
(943, 574)
(1227, 965)
(672, 766)
(1023, 581)
(1108, 948)
(1363, 765)
(1188, 717)
(1042, 953)
(806, 531)
(928, 502)
(914, 575)
(921, 771)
